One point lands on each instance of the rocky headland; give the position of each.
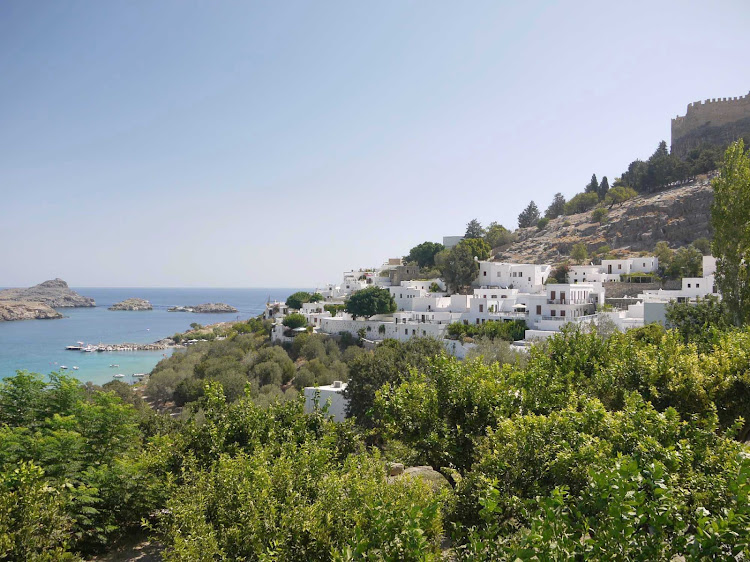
(132, 304)
(25, 310)
(678, 216)
(54, 293)
(211, 307)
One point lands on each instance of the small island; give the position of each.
(207, 308)
(54, 293)
(132, 304)
(26, 310)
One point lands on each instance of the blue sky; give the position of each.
(258, 144)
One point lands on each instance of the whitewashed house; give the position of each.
(332, 394)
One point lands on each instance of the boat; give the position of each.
(119, 376)
(88, 349)
(73, 347)
(63, 367)
(75, 368)
(139, 375)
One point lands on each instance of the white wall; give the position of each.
(338, 405)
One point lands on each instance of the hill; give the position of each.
(678, 216)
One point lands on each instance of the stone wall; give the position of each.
(714, 121)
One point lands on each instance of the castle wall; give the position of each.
(713, 121)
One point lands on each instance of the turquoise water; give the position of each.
(39, 345)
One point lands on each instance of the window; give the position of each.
(562, 313)
(688, 285)
(697, 285)
(481, 308)
(619, 266)
(539, 309)
(477, 321)
(484, 274)
(552, 313)
(552, 295)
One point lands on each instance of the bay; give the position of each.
(39, 345)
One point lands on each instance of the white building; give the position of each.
(334, 393)
(525, 277)
(612, 269)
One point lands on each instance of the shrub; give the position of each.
(542, 223)
(295, 320)
(599, 215)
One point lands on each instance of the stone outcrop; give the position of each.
(211, 307)
(54, 293)
(678, 216)
(132, 304)
(25, 310)
(426, 474)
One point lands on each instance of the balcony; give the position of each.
(568, 301)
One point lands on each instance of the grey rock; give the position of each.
(211, 307)
(25, 310)
(132, 304)
(54, 293)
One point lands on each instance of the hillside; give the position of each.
(678, 216)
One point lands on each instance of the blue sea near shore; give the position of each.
(39, 345)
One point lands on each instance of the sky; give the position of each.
(278, 144)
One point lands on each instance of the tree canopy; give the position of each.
(556, 208)
(498, 235)
(296, 300)
(371, 301)
(458, 268)
(529, 216)
(478, 247)
(474, 230)
(730, 218)
(424, 254)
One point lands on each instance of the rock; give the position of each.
(132, 304)
(54, 293)
(425, 473)
(25, 310)
(395, 468)
(211, 307)
(679, 215)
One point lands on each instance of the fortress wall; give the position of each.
(715, 119)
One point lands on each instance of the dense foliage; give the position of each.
(513, 330)
(624, 447)
(371, 301)
(296, 300)
(730, 217)
(457, 266)
(424, 254)
(529, 216)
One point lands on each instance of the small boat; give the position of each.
(75, 368)
(63, 367)
(73, 347)
(88, 349)
(119, 376)
(139, 375)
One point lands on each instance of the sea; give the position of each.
(39, 345)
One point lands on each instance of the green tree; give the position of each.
(730, 218)
(295, 320)
(424, 254)
(603, 188)
(371, 301)
(579, 252)
(478, 247)
(556, 208)
(685, 262)
(700, 323)
(458, 268)
(529, 216)
(297, 299)
(581, 202)
(497, 235)
(542, 223)
(593, 185)
(618, 195)
(599, 215)
(474, 230)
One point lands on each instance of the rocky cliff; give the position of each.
(24, 310)
(132, 304)
(54, 293)
(678, 216)
(210, 307)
